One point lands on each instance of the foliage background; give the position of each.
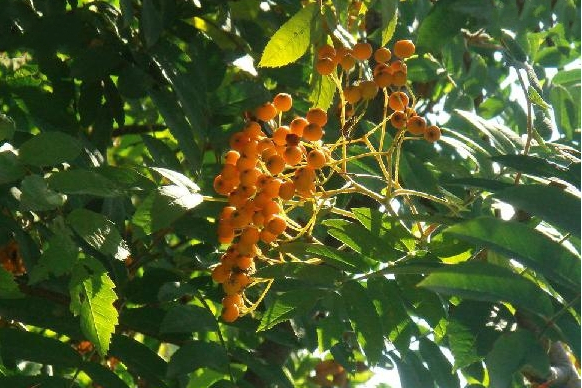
(114, 117)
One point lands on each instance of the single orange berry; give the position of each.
(316, 159)
(246, 162)
(416, 125)
(317, 116)
(384, 79)
(230, 313)
(369, 89)
(238, 140)
(352, 94)
(220, 273)
(271, 208)
(253, 130)
(249, 177)
(362, 51)
(271, 188)
(432, 133)
(231, 157)
(381, 67)
(326, 51)
(230, 300)
(312, 132)
(275, 164)
(399, 78)
(398, 65)
(258, 219)
(287, 190)
(348, 62)
(325, 66)
(244, 262)
(267, 237)
(293, 155)
(276, 225)
(398, 101)
(266, 112)
(404, 48)
(226, 212)
(283, 102)
(382, 55)
(249, 236)
(398, 119)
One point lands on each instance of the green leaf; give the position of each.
(503, 138)
(98, 232)
(566, 77)
(535, 97)
(488, 282)
(361, 240)
(36, 381)
(265, 369)
(81, 181)
(343, 260)
(527, 245)
(432, 32)
(550, 203)
(194, 355)
(139, 359)
(513, 351)
(36, 196)
(30, 346)
(102, 375)
(49, 149)
(235, 97)
(187, 319)
(58, 258)
(539, 167)
(10, 167)
(288, 305)
(290, 41)
(389, 18)
(151, 22)
(313, 274)
(322, 92)
(367, 322)
(8, 286)
(7, 127)
(177, 179)
(161, 153)
(440, 368)
(98, 314)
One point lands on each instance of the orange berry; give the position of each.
(271, 188)
(348, 62)
(280, 135)
(249, 176)
(249, 150)
(362, 51)
(275, 164)
(382, 55)
(293, 155)
(220, 273)
(398, 101)
(222, 186)
(325, 66)
(236, 199)
(231, 157)
(260, 200)
(326, 51)
(249, 236)
(246, 162)
(240, 219)
(287, 190)
(404, 48)
(398, 66)
(398, 119)
(276, 225)
(225, 234)
(316, 159)
(304, 179)
(383, 79)
(250, 250)
(244, 262)
(271, 208)
(312, 132)
(369, 89)
(296, 126)
(283, 102)
(247, 191)
(267, 237)
(381, 67)
(226, 212)
(258, 219)
(352, 94)
(229, 171)
(230, 313)
(266, 112)
(416, 125)
(263, 144)
(317, 116)
(268, 152)
(238, 140)
(262, 180)
(292, 140)
(230, 300)
(399, 78)
(253, 130)
(432, 133)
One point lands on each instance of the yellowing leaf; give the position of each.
(290, 41)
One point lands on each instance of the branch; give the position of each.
(563, 371)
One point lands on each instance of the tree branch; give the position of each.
(137, 129)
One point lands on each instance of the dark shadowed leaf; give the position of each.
(198, 354)
(49, 148)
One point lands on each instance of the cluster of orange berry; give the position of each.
(389, 72)
(260, 172)
(11, 259)
(329, 373)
